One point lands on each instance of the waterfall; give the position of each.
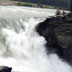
(21, 47)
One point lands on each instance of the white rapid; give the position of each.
(21, 47)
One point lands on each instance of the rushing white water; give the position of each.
(22, 48)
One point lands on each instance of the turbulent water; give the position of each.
(21, 47)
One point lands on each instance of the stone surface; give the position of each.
(5, 69)
(58, 33)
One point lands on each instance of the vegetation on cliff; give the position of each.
(62, 4)
(33, 5)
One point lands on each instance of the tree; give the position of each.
(71, 6)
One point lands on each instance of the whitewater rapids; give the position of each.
(21, 47)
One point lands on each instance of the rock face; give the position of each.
(58, 33)
(5, 69)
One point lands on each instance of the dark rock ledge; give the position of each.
(58, 33)
(5, 69)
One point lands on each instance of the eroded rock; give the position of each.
(5, 69)
(58, 34)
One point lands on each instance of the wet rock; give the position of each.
(58, 34)
(5, 69)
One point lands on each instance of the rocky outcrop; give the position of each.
(5, 69)
(58, 33)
